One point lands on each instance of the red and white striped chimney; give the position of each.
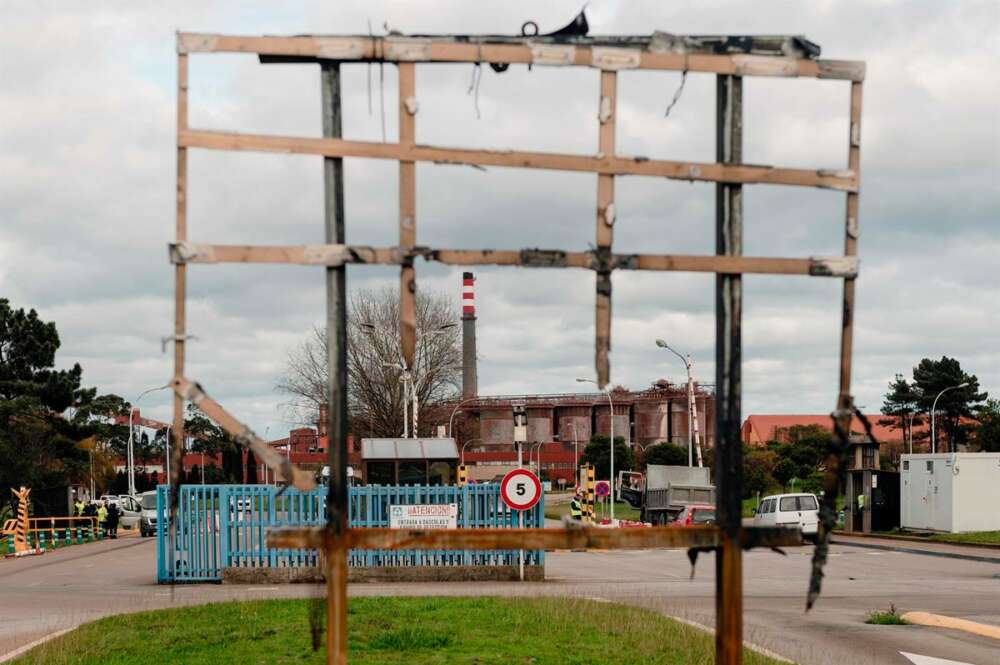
(469, 375)
(468, 295)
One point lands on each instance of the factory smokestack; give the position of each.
(470, 386)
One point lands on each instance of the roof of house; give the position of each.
(762, 428)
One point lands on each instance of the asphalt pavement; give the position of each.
(67, 587)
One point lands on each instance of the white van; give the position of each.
(147, 521)
(789, 510)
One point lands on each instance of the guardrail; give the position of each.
(52, 531)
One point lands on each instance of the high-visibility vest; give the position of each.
(574, 509)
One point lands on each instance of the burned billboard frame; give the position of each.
(730, 60)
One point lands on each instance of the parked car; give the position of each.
(147, 519)
(789, 510)
(696, 513)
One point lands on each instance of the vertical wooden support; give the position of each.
(407, 211)
(336, 393)
(728, 341)
(605, 224)
(851, 232)
(180, 280)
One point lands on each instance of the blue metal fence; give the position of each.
(222, 526)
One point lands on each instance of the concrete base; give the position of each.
(313, 575)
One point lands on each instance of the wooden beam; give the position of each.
(338, 255)
(282, 467)
(180, 281)
(364, 48)
(608, 164)
(606, 115)
(510, 539)
(408, 107)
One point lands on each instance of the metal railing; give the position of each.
(223, 526)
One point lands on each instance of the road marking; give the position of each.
(941, 621)
(749, 645)
(31, 645)
(262, 588)
(918, 659)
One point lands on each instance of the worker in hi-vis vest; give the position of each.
(575, 510)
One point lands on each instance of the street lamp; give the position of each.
(130, 452)
(463, 449)
(611, 421)
(408, 377)
(694, 441)
(934, 412)
(576, 451)
(458, 406)
(538, 457)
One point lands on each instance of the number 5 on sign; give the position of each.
(520, 489)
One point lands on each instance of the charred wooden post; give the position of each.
(180, 301)
(728, 340)
(336, 347)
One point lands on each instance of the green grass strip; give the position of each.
(383, 631)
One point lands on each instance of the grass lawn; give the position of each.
(445, 631)
(623, 511)
(984, 537)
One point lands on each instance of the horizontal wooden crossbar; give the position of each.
(838, 179)
(530, 539)
(447, 49)
(283, 468)
(338, 255)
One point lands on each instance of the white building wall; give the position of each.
(976, 500)
(950, 492)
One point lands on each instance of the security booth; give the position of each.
(409, 461)
(871, 495)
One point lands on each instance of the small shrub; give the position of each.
(889, 617)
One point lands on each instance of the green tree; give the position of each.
(899, 404)
(785, 470)
(211, 439)
(598, 453)
(668, 454)
(988, 430)
(758, 471)
(930, 377)
(45, 414)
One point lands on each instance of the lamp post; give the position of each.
(576, 450)
(611, 429)
(934, 413)
(538, 457)
(409, 384)
(130, 452)
(463, 448)
(910, 429)
(694, 441)
(451, 420)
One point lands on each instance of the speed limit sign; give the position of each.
(520, 489)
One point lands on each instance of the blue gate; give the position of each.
(223, 526)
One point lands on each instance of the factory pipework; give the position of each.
(469, 377)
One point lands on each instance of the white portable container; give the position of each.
(950, 492)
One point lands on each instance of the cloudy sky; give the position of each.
(87, 119)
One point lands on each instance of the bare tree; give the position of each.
(374, 363)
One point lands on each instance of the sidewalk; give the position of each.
(947, 550)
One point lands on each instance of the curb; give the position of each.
(941, 621)
(914, 550)
(917, 539)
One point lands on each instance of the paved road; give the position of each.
(65, 588)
